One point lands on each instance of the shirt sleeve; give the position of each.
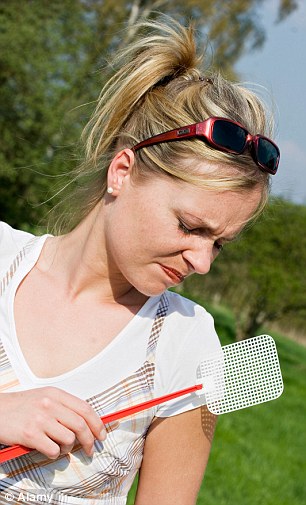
(11, 241)
(188, 337)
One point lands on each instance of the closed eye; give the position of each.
(187, 231)
(218, 246)
(197, 231)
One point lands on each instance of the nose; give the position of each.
(199, 258)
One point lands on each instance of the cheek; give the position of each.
(127, 245)
(136, 231)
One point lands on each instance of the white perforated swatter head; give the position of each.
(240, 375)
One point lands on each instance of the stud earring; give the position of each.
(110, 190)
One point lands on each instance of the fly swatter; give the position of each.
(237, 376)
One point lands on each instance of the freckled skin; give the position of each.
(142, 229)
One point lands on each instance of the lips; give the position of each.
(175, 275)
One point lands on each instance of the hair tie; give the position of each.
(165, 80)
(208, 80)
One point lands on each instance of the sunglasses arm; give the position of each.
(180, 133)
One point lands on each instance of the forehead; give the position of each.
(221, 211)
(239, 205)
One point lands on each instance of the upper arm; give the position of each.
(175, 456)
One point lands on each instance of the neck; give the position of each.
(79, 261)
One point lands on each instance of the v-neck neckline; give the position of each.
(29, 261)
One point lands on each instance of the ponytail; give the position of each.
(153, 60)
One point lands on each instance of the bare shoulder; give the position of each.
(175, 457)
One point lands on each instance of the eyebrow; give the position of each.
(208, 227)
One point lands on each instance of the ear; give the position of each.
(120, 167)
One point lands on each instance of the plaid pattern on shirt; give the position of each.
(76, 479)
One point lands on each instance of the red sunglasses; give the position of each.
(224, 135)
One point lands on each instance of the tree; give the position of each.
(50, 53)
(261, 276)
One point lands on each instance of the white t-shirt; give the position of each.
(186, 337)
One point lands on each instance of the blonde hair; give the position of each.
(159, 85)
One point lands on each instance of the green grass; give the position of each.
(259, 454)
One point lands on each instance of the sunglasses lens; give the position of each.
(229, 136)
(267, 154)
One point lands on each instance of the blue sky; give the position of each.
(280, 67)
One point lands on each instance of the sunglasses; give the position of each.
(224, 135)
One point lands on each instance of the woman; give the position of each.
(97, 328)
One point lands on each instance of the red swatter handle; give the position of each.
(18, 450)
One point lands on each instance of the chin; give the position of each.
(149, 282)
(151, 289)
(152, 292)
